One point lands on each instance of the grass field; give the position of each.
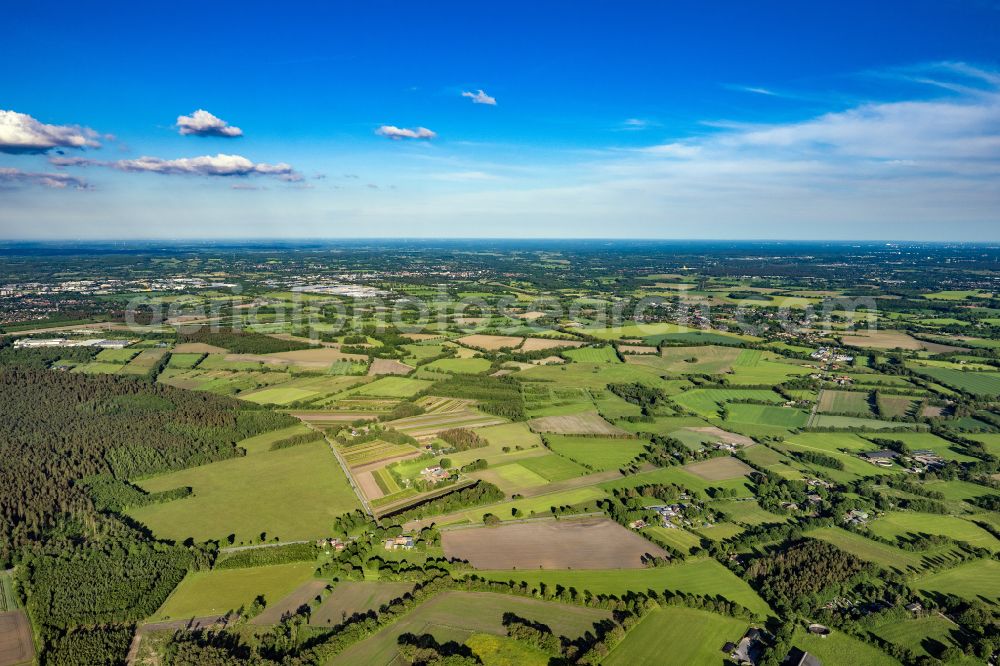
(900, 523)
(183, 361)
(393, 387)
(598, 453)
(120, 356)
(884, 555)
(203, 593)
(979, 579)
(835, 421)
(845, 402)
(707, 402)
(925, 636)
(682, 478)
(553, 467)
(604, 354)
(839, 648)
(291, 493)
(540, 505)
(690, 637)
(503, 651)
(349, 598)
(719, 469)
(262, 443)
(896, 405)
(457, 616)
(747, 512)
(700, 576)
(575, 423)
(708, 359)
(8, 600)
(782, 417)
(978, 383)
(680, 539)
(469, 366)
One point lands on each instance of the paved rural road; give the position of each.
(347, 470)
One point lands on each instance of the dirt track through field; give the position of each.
(589, 543)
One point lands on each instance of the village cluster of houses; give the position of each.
(331, 544)
(856, 517)
(828, 355)
(671, 516)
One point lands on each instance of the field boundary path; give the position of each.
(812, 414)
(347, 470)
(237, 549)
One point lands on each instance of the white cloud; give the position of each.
(207, 165)
(203, 123)
(480, 97)
(397, 133)
(20, 133)
(57, 181)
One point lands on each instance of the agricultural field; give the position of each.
(719, 469)
(350, 597)
(976, 580)
(870, 550)
(457, 616)
(290, 494)
(695, 576)
(586, 543)
(393, 387)
(470, 366)
(986, 384)
(845, 402)
(17, 646)
(689, 636)
(901, 524)
(839, 648)
(596, 453)
(604, 354)
(204, 593)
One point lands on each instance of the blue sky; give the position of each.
(596, 119)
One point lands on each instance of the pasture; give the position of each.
(845, 402)
(896, 524)
(218, 591)
(553, 467)
(470, 366)
(926, 636)
(694, 576)
(584, 423)
(766, 415)
(603, 354)
(291, 493)
(839, 648)
(490, 342)
(690, 637)
(393, 387)
(890, 557)
(457, 616)
(597, 453)
(708, 402)
(719, 469)
(350, 597)
(986, 384)
(979, 579)
(585, 543)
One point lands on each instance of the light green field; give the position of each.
(458, 616)
(598, 375)
(503, 651)
(869, 550)
(979, 579)
(680, 477)
(834, 421)
(636, 331)
(215, 592)
(958, 490)
(839, 648)
(956, 294)
(280, 395)
(598, 453)
(901, 523)
(845, 402)
(120, 356)
(706, 359)
(183, 361)
(470, 366)
(553, 467)
(747, 512)
(706, 402)
(766, 372)
(919, 633)
(697, 576)
(540, 505)
(605, 354)
(690, 637)
(516, 478)
(292, 493)
(262, 443)
(782, 417)
(679, 538)
(977, 383)
(393, 387)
